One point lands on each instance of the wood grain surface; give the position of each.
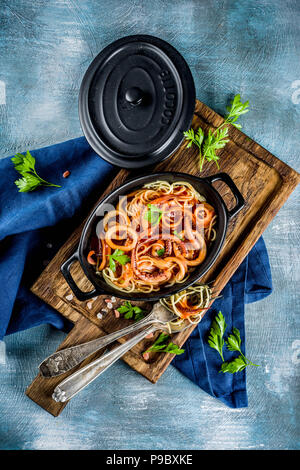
(231, 47)
(265, 183)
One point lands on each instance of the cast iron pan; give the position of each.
(202, 185)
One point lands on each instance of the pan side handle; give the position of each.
(240, 202)
(65, 269)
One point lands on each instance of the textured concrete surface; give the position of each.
(231, 46)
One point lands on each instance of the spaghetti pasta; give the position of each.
(153, 238)
(189, 304)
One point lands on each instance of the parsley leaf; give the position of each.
(153, 214)
(215, 339)
(131, 311)
(216, 139)
(160, 252)
(25, 165)
(236, 109)
(112, 264)
(233, 341)
(193, 138)
(161, 345)
(238, 364)
(29, 182)
(120, 257)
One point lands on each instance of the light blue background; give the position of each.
(251, 47)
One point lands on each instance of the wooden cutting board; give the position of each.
(264, 181)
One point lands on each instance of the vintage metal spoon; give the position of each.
(65, 359)
(80, 379)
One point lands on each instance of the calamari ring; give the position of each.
(115, 214)
(120, 228)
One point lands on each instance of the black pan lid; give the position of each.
(136, 100)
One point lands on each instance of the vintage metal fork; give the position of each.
(65, 359)
(80, 379)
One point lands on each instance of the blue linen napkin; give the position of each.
(34, 225)
(251, 282)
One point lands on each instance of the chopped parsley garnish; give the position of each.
(153, 214)
(131, 311)
(160, 252)
(119, 257)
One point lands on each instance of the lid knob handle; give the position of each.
(134, 96)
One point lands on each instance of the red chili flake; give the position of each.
(66, 174)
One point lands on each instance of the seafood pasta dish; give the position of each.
(154, 237)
